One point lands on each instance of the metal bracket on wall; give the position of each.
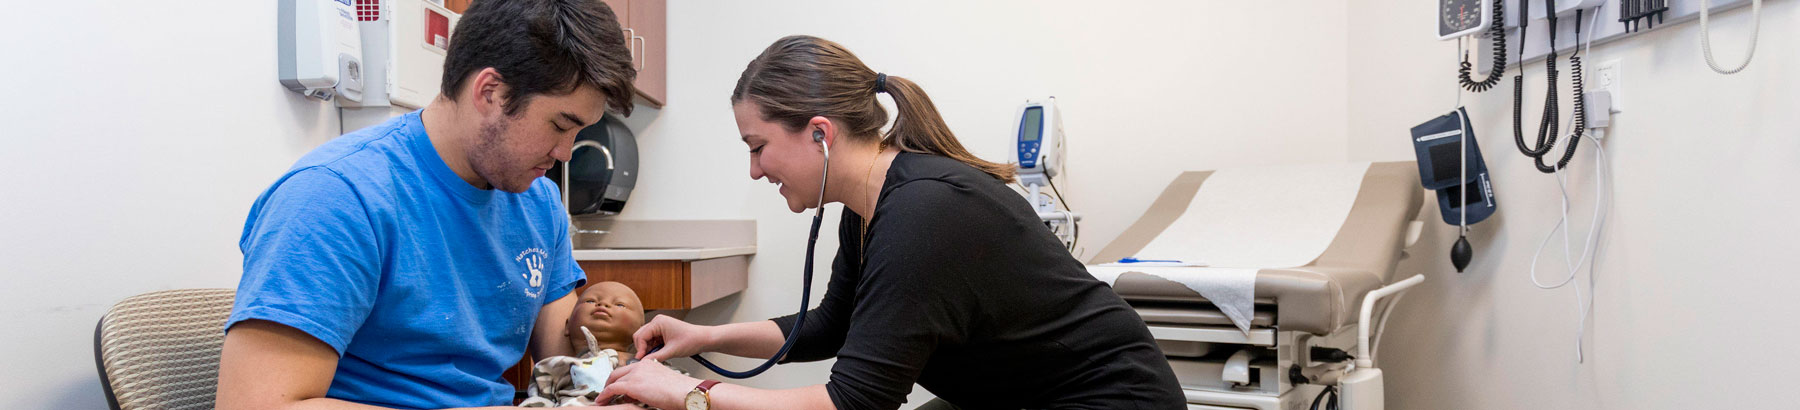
(1610, 27)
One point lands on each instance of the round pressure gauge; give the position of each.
(1461, 15)
(1457, 18)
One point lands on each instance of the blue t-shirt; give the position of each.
(427, 286)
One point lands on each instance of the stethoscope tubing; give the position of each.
(812, 241)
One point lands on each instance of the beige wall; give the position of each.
(1147, 89)
(1695, 280)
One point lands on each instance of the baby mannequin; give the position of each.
(606, 315)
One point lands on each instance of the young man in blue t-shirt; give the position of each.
(409, 264)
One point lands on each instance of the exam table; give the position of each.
(1270, 363)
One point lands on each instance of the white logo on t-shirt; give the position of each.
(534, 270)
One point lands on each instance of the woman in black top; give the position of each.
(944, 275)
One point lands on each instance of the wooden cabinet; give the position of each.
(646, 25)
(674, 285)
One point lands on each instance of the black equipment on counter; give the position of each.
(604, 168)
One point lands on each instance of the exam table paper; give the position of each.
(1247, 219)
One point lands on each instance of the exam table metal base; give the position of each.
(1210, 363)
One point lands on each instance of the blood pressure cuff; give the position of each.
(1437, 144)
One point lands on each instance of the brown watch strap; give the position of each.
(706, 385)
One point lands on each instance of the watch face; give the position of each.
(696, 400)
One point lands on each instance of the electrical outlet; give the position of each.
(1608, 78)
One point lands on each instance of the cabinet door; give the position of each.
(659, 284)
(622, 10)
(649, 19)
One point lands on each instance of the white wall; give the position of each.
(1148, 89)
(136, 135)
(1695, 298)
(139, 133)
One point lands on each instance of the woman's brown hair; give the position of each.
(800, 77)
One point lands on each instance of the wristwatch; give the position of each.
(699, 398)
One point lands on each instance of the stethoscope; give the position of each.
(812, 241)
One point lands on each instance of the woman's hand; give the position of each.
(652, 383)
(673, 337)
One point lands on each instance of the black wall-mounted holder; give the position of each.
(1648, 12)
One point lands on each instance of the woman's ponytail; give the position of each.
(800, 77)
(919, 128)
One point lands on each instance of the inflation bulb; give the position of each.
(1461, 252)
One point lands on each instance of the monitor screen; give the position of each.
(1032, 126)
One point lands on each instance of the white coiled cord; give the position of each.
(1706, 36)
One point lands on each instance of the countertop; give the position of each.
(662, 254)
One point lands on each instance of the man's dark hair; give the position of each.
(542, 47)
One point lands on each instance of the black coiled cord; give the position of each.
(1496, 31)
(1580, 112)
(1547, 127)
(1580, 96)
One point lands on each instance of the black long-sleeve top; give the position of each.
(964, 291)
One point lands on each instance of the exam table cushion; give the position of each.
(1317, 298)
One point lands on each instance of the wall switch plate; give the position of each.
(1607, 77)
